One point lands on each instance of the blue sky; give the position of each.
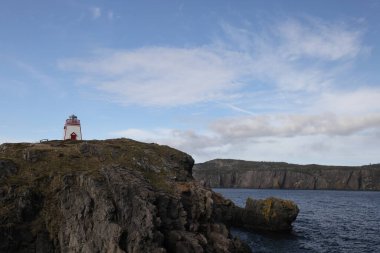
(295, 81)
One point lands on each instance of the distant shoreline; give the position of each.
(229, 173)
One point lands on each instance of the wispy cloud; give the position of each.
(276, 58)
(297, 54)
(239, 109)
(200, 145)
(294, 125)
(360, 101)
(325, 132)
(35, 73)
(326, 41)
(110, 15)
(283, 82)
(96, 12)
(162, 76)
(329, 138)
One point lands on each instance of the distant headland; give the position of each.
(229, 173)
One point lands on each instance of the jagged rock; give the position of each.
(98, 196)
(32, 155)
(7, 168)
(271, 214)
(28, 205)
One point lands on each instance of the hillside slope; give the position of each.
(228, 173)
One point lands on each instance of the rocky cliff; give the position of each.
(117, 196)
(227, 173)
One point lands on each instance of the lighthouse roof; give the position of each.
(73, 120)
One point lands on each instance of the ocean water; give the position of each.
(329, 221)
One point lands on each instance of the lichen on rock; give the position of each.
(270, 214)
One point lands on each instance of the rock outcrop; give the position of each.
(269, 214)
(109, 196)
(272, 175)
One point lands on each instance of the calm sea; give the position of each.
(329, 221)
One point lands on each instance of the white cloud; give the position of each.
(172, 76)
(317, 148)
(162, 76)
(200, 145)
(294, 125)
(327, 41)
(285, 75)
(338, 150)
(359, 101)
(326, 133)
(96, 12)
(285, 80)
(296, 55)
(178, 138)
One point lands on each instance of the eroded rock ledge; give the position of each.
(113, 196)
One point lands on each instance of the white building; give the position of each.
(72, 130)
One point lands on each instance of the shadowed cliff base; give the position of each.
(228, 173)
(116, 196)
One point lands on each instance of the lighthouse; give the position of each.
(72, 130)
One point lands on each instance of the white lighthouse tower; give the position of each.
(72, 130)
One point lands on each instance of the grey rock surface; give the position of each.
(107, 196)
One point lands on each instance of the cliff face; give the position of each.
(271, 175)
(107, 196)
